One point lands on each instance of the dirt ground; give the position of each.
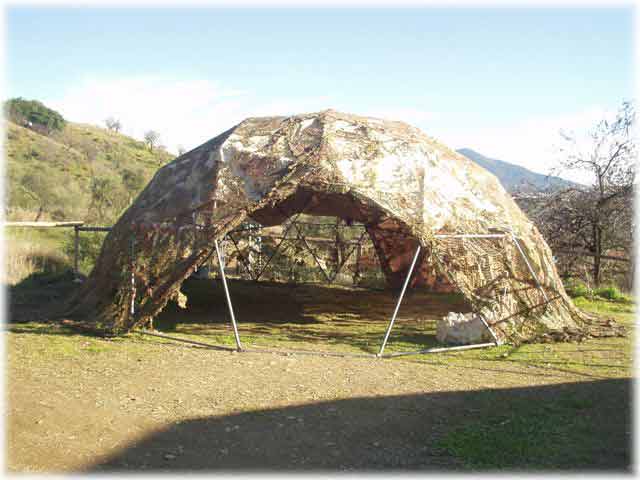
(81, 404)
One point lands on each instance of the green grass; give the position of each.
(579, 290)
(559, 432)
(53, 341)
(551, 434)
(309, 317)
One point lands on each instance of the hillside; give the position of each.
(82, 172)
(85, 172)
(515, 178)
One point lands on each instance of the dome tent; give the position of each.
(406, 188)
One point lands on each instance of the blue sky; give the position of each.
(499, 80)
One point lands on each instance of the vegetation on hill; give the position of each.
(59, 170)
(33, 114)
(80, 172)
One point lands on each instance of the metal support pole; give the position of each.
(486, 324)
(226, 291)
(76, 250)
(395, 312)
(531, 271)
(439, 349)
(132, 253)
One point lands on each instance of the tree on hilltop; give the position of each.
(151, 138)
(113, 124)
(34, 115)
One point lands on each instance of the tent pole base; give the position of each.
(192, 342)
(439, 349)
(319, 353)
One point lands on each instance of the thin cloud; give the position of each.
(186, 113)
(181, 111)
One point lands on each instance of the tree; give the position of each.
(133, 180)
(151, 138)
(40, 186)
(181, 150)
(596, 220)
(113, 125)
(33, 114)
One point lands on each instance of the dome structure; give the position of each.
(408, 190)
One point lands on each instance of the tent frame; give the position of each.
(300, 237)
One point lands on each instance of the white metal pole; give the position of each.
(226, 291)
(531, 271)
(132, 253)
(76, 250)
(395, 312)
(486, 324)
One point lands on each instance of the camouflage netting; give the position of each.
(405, 187)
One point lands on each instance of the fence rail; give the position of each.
(78, 226)
(42, 224)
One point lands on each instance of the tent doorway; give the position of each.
(313, 283)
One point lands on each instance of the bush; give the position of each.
(576, 288)
(33, 114)
(89, 246)
(610, 292)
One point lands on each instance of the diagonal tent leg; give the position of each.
(496, 341)
(395, 312)
(301, 237)
(531, 271)
(226, 291)
(282, 240)
(243, 260)
(348, 255)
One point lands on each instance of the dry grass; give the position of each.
(33, 251)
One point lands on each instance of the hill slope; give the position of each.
(515, 178)
(83, 172)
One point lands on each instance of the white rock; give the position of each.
(462, 329)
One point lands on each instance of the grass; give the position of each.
(579, 290)
(53, 341)
(31, 251)
(309, 317)
(60, 167)
(558, 433)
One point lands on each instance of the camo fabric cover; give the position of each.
(403, 185)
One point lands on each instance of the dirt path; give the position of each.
(78, 404)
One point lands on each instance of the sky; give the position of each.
(502, 81)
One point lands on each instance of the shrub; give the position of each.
(609, 292)
(89, 246)
(576, 288)
(31, 113)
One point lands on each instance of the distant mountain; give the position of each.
(515, 178)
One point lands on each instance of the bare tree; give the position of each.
(151, 138)
(113, 124)
(595, 220)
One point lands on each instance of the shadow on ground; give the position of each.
(576, 426)
(320, 314)
(40, 296)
